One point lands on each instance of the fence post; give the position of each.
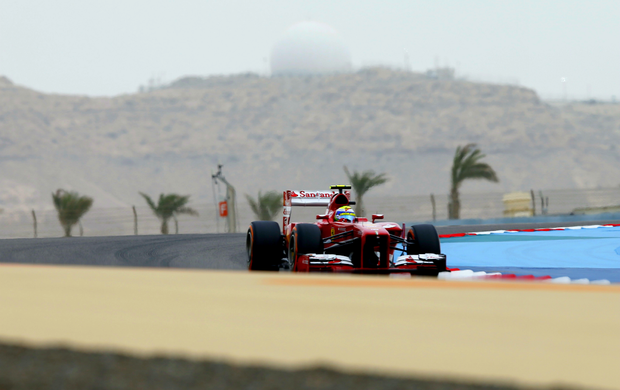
(543, 209)
(135, 220)
(34, 223)
(433, 203)
(533, 203)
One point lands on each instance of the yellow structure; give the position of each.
(518, 204)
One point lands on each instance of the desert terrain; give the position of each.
(296, 132)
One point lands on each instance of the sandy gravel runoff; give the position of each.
(530, 334)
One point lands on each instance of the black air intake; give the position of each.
(375, 244)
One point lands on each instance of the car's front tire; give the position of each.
(425, 240)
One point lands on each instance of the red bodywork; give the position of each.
(369, 245)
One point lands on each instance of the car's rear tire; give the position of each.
(425, 240)
(264, 246)
(305, 238)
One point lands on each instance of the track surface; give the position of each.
(214, 251)
(211, 251)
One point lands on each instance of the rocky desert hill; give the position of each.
(277, 133)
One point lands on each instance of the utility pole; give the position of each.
(34, 223)
(135, 221)
(433, 204)
(231, 197)
(544, 203)
(215, 201)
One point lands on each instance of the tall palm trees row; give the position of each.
(71, 207)
(466, 165)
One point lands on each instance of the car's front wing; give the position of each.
(424, 264)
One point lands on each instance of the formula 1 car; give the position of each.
(330, 246)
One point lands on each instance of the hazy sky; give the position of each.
(110, 47)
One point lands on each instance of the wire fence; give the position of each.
(121, 221)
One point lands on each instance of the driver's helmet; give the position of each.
(345, 214)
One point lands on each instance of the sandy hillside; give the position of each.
(275, 133)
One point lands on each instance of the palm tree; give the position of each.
(265, 207)
(71, 207)
(169, 206)
(361, 183)
(467, 165)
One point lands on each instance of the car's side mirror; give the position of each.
(376, 216)
(321, 216)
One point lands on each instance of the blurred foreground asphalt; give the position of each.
(538, 334)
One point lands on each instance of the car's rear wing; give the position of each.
(307, 199)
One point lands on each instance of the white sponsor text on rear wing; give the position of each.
(304, 199)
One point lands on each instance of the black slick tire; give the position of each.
(264, 246)
(425, 238)
(305, 238)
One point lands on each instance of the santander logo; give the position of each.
(307, 194)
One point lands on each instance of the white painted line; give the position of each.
(561, 280)
(600, 281)
(489, 232)
(456, 275)
(463, 273)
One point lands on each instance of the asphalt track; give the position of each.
(203, 251)
(207, 251)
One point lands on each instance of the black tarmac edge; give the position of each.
(23, 368)
(210, 251)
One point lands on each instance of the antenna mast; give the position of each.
(228, 207)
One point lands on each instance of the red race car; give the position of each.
(337, 244)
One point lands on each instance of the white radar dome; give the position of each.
(310, 48)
